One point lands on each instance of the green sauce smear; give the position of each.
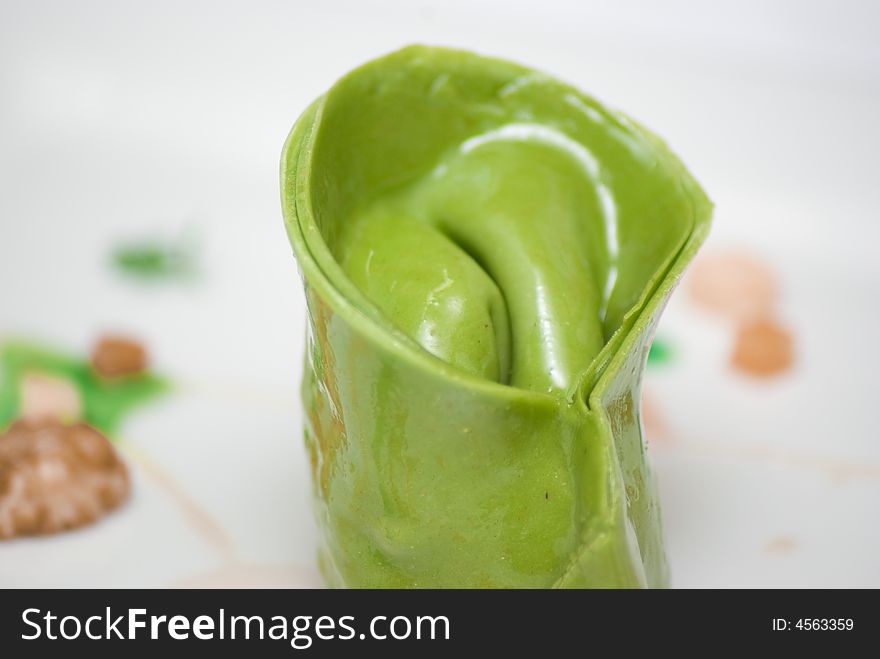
(105, 402)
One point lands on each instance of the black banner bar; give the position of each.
(326, 623)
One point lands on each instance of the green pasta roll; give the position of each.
(485, 253)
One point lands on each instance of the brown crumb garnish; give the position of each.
(762, 349)
(55, 477)
(117, 356)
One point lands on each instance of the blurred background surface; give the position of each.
(136, 129)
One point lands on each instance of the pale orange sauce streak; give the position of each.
(200, 520)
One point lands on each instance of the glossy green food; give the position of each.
(485, 253)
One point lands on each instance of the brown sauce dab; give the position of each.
(118, 356)
(56, 477)
(733, 284)
(744, 290)
(762, 349)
